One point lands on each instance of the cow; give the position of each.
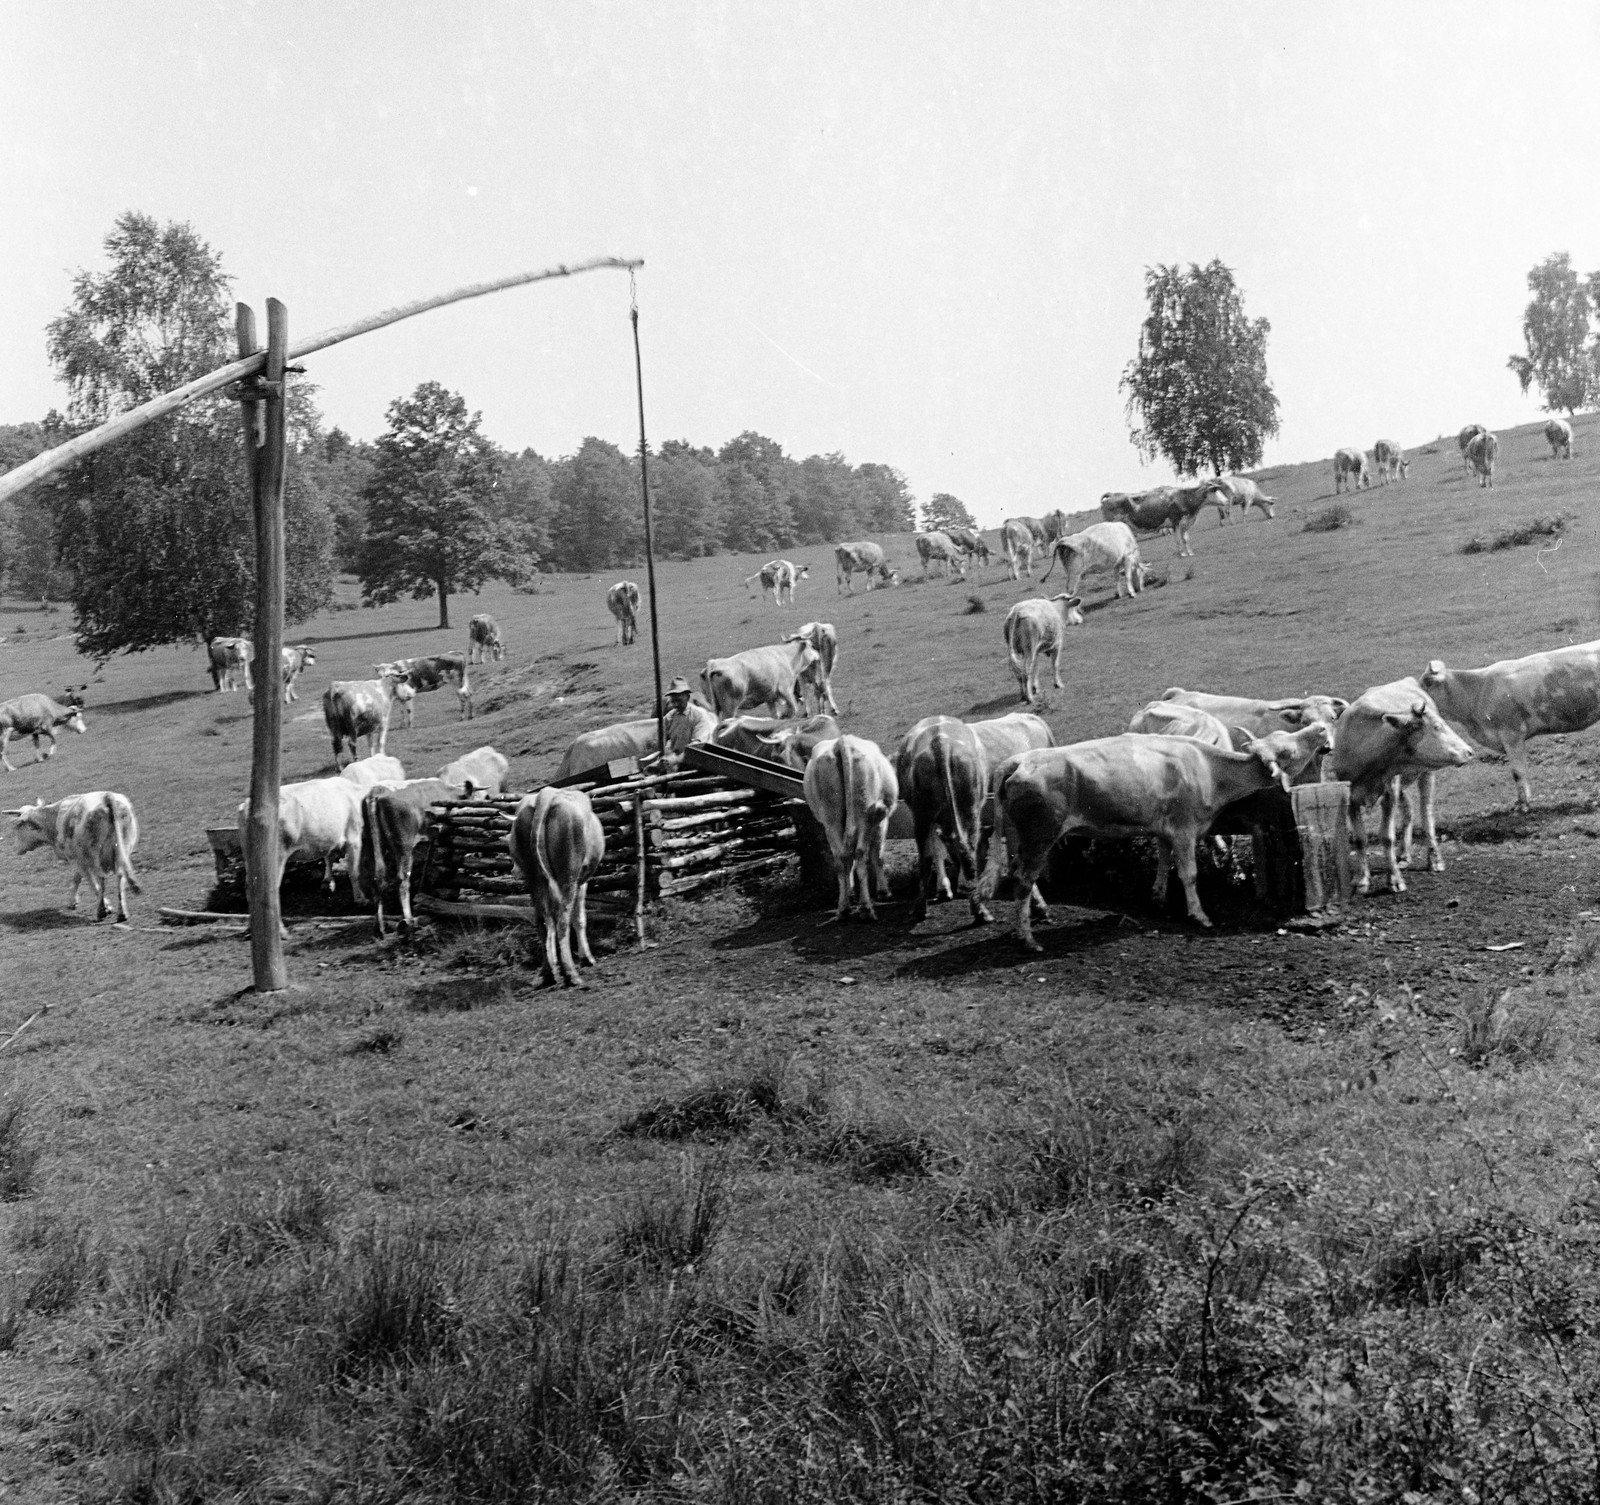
(622, 601)
(778, 576)
(1001, 737)
(392, 821)
(356, 708)
(483, 639)
(942, 773)
(316, 818)
(229, 662)
(1389, 460)
(433, 672)
(481, 771)
(1503, 704)
(850, 559)
(1227, 492)
(1259, 717)
(1171, 787)
(96, 832)
(1016, 540)
(1350, 471)
(636, 739)
(1558, 435)
(406, 699)
(1045, 530)
(1167, 718)
(943, 548)
(851, 788)
(790, 743)
(816, 680)
(1481, 454)
(758, 677)
(1100, 546)
(36, 716)
(1174, 507)
(295, 663)
(1039, 626)
(557, 844)
(365, 773)
(971, 543)
(1391, 738)
(1465, 438)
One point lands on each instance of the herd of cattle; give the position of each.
(992, 797)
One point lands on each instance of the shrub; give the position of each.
(1523, 533)
(1331, 519)
(976, 605)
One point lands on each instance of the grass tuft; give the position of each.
(729, 1106)
(1533, 531)
(70, 1266)
(976, 605)
(1331, 519)
(19, 1154)
(1509, 1028)
(378, 1041)
(675, 1231)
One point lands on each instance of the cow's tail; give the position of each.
(989, 879)
(542, 861)
(119, 845)
(370, 871)
(966, 850)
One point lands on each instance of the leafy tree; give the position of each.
(1199, 384)
(946, 512)
(431, 502)
(598, 515)
(156, 530)
(29, 565)
(888, 507)
(753, 492)
(339, 468)
(683, 496)
(526, 488)
(1561, 358)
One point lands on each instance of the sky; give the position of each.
(914, 234)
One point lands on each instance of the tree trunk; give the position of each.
(444, 603)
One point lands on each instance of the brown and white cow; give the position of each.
(816, 680)
(1017, 542)
(1482, 452)
(295, 663)
(1465, 438)
(393, 817)
(971, 543)
(851, 559)
(1162, 507)
(1350, 471)
(1100, 546)
(942, 772)
(1391, 739)
(433, 672)
(1039, 626)
(778, 576)
(1171, 787)
(1558, 435)
(95, 832)
(622, 601)
(789, 742)
(851, 788)
(1503, 704)
(479, 772)
(557, 844)
(356, 708)
(937, 547)
(229, 660)
(483, 639)
(1227, 492)
(35, 716)
(1389, 460)
(757, 677)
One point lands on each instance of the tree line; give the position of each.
(151, 539)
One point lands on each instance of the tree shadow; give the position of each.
(385, 632)
(144, 703)
(1514, 825)
(49, 918)
(998, 706)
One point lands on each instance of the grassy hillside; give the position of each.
(776, 1211)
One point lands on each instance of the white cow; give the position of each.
(1017, 542)
(851, 788)
(356, 708)
(1558, 435)
(1258, 717)
(1227, 492)
(867, 559)
(942, 772)
(1481, 454)
(1350, 471)
(483, 639)
(816, 680)
(557, 844)
(379, 768)
(941, 548)
(1038, 626)
(316, 818)
(778, 576)
(1100, 546)
(229, 660)
(757, 677)
(95, 832)
(36, 716)
(622, 601)
(481, 771)
(1390, 461)
(1165, 718)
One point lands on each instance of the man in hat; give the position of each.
(686, 721)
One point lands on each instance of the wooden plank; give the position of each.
(754, 772)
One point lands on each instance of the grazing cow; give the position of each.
(483, 639)
(943, 548)
(1227, 492)
(778, 576)
(316, 818)
(1502, 705)
(1038, 626)
(1045, 530)
(1558, 435)
(971, 543)
(1350, 471)
(481, 771)
(816, 680)
(1016, 539)
(758, 677)
(851, 788)
(433, 672)
(365, 773)
(35, 716)
(1389, 460)
(622, 601)
(942, 772)
(229, 662)
(392, 820)
(557, 844)
(1390, 739)
(850, 559)
(96, 833)
(1465, 438)
(1101, 546)
(295, 663)
(1174, 507)
(788, 742)
(1259, 717)
(1481, 454)
(355, 708)
(1171, 787)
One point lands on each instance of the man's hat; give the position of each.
(679, 686)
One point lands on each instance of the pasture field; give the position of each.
(780, 1211)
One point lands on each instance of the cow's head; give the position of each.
(1425, 736)
(1269, 753)
(33, 829)
(1405, 469)
(307, 657)
(74, 719)
(803, 573)
(1068, 606)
